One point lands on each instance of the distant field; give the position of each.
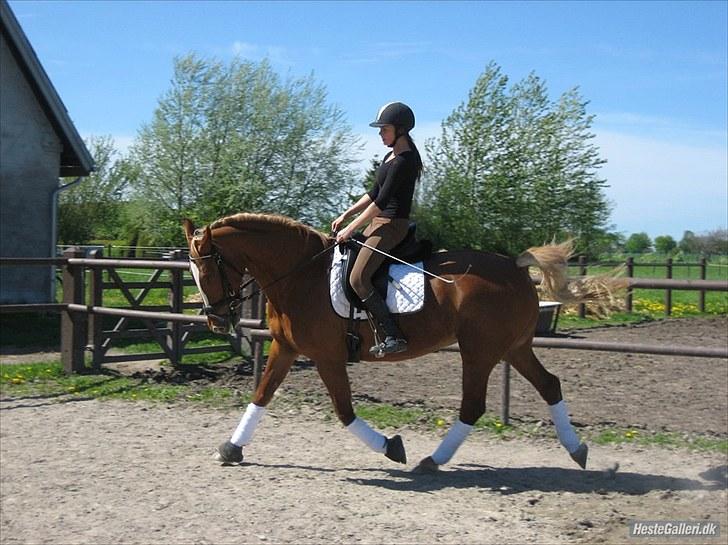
(650, 303)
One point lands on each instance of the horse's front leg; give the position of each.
(336, 380)
(280, 359)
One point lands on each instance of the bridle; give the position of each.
(231, 297)
(234, 298)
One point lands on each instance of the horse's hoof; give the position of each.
(395, 450)
(580, 455)
(427, 465)
(228, 453)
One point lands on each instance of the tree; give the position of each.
(665, 244)
(605, 243)
(168, 172)
(716, 242)
(89, 209)
(513, 169)
(689, 244)
(638, 243)
(235, 137)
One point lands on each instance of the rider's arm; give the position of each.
(360, 205)
(370, 212)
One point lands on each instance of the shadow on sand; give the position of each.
(516, 480)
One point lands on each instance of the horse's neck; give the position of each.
(278, 258)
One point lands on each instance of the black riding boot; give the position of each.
(394, 341)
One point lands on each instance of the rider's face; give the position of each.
(387, 133)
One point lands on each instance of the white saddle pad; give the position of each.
(405, 289)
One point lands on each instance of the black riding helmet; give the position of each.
(397, 114)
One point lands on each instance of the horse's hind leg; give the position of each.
(280, 359)
(549, 386)
(477, 366)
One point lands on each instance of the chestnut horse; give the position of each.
(490, 310)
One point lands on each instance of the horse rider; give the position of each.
(386, 209)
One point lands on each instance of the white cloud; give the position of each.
(244, 49)
(276, 54)
(122, 143)
(386, 51)
(664, 187)
(660, 128)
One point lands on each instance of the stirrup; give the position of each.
(390, 345)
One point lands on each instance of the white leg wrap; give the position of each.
(374, 440)
(452, 441)
(244, 432)
(564, 429)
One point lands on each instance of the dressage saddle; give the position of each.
(410, 250)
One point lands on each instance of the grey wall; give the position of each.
(30, 154)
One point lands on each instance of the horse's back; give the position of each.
(496, 269)
(489, 290)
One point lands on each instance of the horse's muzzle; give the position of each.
(218, 324)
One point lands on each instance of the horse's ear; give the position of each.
(205, 246)
(189, 229)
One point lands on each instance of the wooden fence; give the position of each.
(82, 329)
(669, 265)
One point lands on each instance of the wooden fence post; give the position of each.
(96, 321)
(630, 274)
(259, 342)
(74, 325)
(506, 394)
(582, 272)
(176, 302)
(668, 291)
(247, 310)
(703, 276)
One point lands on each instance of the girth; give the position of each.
(410, 250)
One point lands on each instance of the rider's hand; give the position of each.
(337, 223)
(344, 235)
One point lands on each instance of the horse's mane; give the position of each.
(247, 220)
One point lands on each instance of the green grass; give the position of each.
(49, 380)
(619, 436)
(494, 425)
(200, 340)
(383, 415)
(116, 298)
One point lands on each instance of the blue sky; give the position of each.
(655, 73)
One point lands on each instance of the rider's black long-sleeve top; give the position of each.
(394, 185)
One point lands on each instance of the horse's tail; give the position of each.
(552, 259)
